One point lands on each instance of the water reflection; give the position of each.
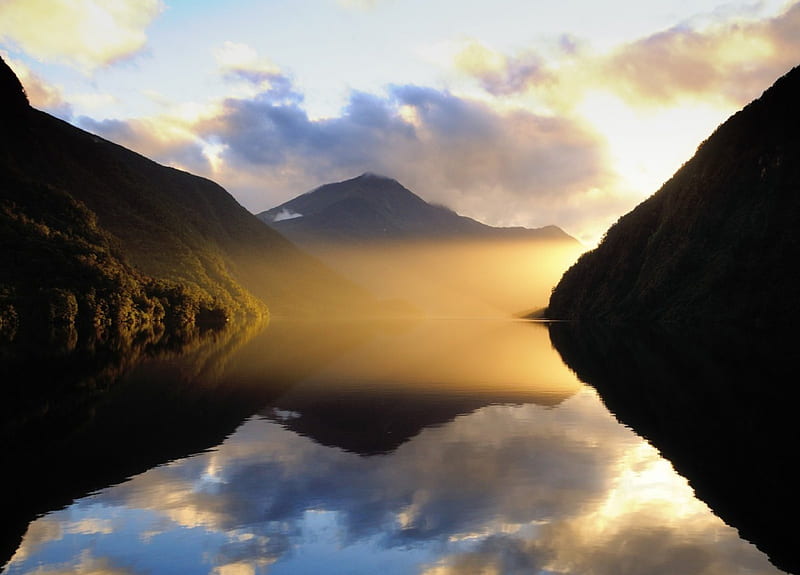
(534, 476)
(719, 402)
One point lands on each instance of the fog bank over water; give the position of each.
(448, 278)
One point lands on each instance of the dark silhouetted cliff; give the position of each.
(719, 242)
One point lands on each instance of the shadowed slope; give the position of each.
(719, 242)
(372, 207)
(163, 223)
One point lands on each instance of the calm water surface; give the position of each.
(434, 447)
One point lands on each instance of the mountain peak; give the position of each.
(14, 100)
(376, 207)
(374, 176)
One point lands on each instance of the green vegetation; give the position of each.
(100, 241)
(719, 242)
(61, 274)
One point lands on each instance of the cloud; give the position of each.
(538, 489)
(86, 34)
(286, 214)
(502, 167)
(41, 94)
(538, 146)
(165, 139)
(730, 60)
(500, 74)
(85, 565)
(237, 61)
(495, 554)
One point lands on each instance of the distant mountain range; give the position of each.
(372, 207)
(98, 237)
(425, 258)
(719, 242)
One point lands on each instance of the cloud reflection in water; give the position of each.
(505, 489)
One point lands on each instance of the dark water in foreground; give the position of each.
(436, 447)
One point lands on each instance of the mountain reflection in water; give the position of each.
(433, 447)
(719, 402)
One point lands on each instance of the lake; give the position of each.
(421, 447)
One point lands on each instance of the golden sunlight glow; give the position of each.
(646, 146)
(646, 480)
(739, 41)
(511, 358)
(476, 59)
(213, 153)
(88, 33)
(238, 568)
(410, 115)
(496, 279)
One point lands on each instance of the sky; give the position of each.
(514, 112)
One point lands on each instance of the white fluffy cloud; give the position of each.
(86, 34)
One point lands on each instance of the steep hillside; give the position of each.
(719, 242)
(128, 216)
(373, 207)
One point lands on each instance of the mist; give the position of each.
(452, 278)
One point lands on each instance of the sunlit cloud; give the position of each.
(86, 564)
(41, 94)
(86, 34)
(168, 139)
(500, 74)
(557, 134)
(506, 168)
(650, 101)
(576, 488)
(728, 61)
(90, 526)
(239, 62)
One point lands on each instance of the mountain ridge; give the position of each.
(86, 223)
(376, 207)
(717, 243)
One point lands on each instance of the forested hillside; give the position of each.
(97, 236)
(719, 242)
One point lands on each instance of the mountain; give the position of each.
(94, 234)
(372, 207)
(719, 242)
(424, 258)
